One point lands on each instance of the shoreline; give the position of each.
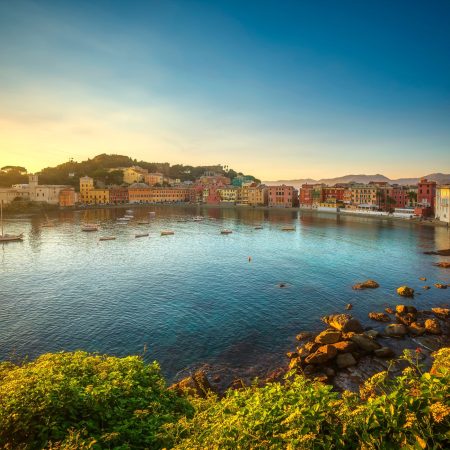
(199, 206)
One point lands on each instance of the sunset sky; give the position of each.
(277, 89)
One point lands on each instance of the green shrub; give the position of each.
(80, 400)
(411, 411)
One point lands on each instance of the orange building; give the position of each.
(281, 196)
(67, 197)
(144, 194)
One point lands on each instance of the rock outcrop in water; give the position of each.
(405, 291)
(343, 322)
(368, 284)
(379, 316)
(443, 264)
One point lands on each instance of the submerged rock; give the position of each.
(422, 279)
(405, 309)
(405, 291)
(443, 264)
(368, 284)
(406, 319)
(372, 333)
(349, 306)
(303, 335)
(395, 330)
(432, 326)
(426, 287)
(343, 322)
(389, 310)
(379, 316)
(440, 285)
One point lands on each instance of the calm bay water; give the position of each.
(194, 297)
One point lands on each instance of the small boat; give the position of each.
(8, 237)
(107, 238)
(129, 211)
(167, 233)
(258, 227)
(139, 235)
(152, 213)
(128, 216)
(123, 219)
(89, 227)
(198, 218)
(226, 232)
(288, 229)
(144, 222)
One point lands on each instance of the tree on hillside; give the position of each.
(20, 169)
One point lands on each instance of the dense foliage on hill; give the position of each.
(100, 167)
(80, 401)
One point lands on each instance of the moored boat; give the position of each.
(8, 237)
(89, 227)
(288, 229)
(167, 233)
(144, 222)
(258, 227)
(226, 232)
(139, 235)
(107, 238)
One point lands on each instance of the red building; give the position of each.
(306, 194)
(333, 194)
(426, 194)
(281, 196)
(399, 196)
(118, 195)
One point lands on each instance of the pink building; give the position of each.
(281, 196)
(426, 194)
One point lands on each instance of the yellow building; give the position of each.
(228, 194)
(134, 174)
(86, 185)
(362, 195)
(257, 196)
(442, 206)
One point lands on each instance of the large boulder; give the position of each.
(442, 313)
(432, 326)
(343, 322)
(303, 335)
(321, 355)
(344, 360)
(330, 336)
(379, 316)
(365, 342)
(368, 284)
(406, 319)
(196, 385)
(345, 346)
(404, 309)
(395, 330)
(416, 329)
(405, 291)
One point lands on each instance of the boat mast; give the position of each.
(1, 215)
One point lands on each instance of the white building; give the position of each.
(442, 206)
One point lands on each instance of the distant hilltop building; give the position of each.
(134, 174)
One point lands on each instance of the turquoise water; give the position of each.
(194, 297)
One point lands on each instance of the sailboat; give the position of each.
(8, 237)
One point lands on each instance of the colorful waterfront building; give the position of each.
(212, 178)
(228, 194)
(118, 195)
(257, 195)
(67, 197)
(281, 196)
(333, 194)
(426, 196)
(306, 195)
(86, 185)
(442, 203)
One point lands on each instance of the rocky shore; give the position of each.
(344, 354)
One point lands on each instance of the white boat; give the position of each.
(129, 211)
(288, 229)
(128, 216)
(258, 227)
(139, 235)
(123, 219)
(8, 237)
(198, 218)
(167, 233)
(226, 232)
(107, 238)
